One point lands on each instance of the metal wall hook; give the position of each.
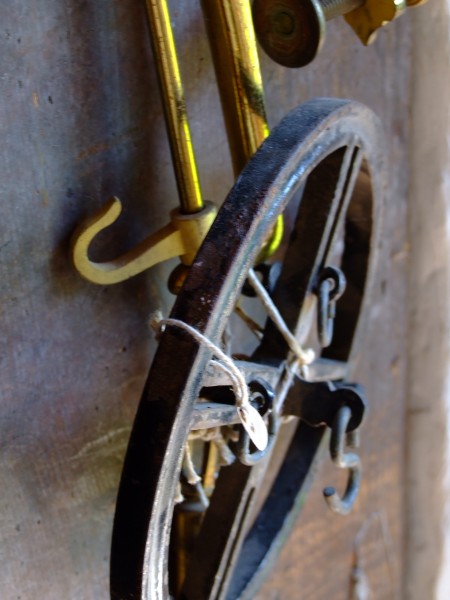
(343, 460)
(182, 237)
(330, 287)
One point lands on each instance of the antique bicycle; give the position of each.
(268, 317)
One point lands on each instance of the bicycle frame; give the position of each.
(233, 47)
(234, 51)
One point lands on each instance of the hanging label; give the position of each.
(254, 425)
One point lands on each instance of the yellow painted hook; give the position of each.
(182, 237)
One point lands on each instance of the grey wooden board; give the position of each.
(80, 120)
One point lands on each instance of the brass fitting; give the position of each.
(372, 15)
(193, 229)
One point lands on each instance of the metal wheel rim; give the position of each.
(143, 517)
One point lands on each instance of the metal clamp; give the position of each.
(182, 237)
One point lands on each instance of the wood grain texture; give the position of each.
(80, 120)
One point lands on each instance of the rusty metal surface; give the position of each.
(80, 120)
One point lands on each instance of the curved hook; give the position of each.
(330, 287)
(182, 237)
(343, 460)
(261, 393)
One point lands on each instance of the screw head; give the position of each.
(291, 32)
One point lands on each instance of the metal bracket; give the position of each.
(317, 403)
(182, 237)
(341, 406)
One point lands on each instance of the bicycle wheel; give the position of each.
(325, 157)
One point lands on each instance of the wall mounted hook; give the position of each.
(343, 460)
(181, 237)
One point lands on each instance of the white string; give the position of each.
(248, 415)
(224, 362)
(305, 357)
(192, 477)
(215, 436)
(178, 494)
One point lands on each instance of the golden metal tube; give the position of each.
(232, 40)
(174, 106)
(233, 45)
(185, 528)
(210, 469)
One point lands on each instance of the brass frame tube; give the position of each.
(233, 46)
(174, 106)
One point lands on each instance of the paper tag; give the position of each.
(254, 425)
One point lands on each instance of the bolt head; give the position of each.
(291, 32)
